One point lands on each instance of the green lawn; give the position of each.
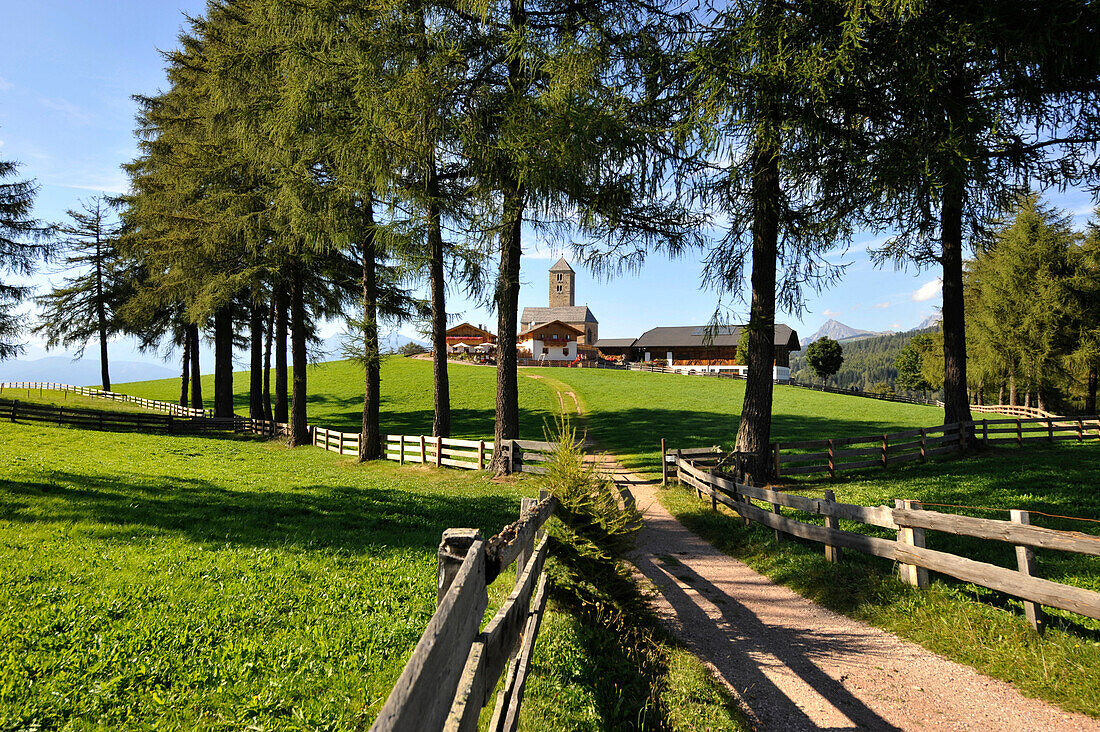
(217, 583)
(71, 400)
(970, 624)
(336, 397)
(628, 412)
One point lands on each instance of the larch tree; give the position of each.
(22, 246)
(966, 104)
(83, 307)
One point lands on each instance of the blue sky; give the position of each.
(68, 70)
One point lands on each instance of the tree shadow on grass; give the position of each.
(313, 517)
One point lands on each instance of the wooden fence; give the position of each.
(455, 666)
(867, 394)
(150, 404)
(14, 411)
(1012, 411)
(910, 521)
(842, 454)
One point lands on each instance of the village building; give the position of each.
(466, 338)
(563, 308)
(553, 341)
(701, 349)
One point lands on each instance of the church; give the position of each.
(563, 308)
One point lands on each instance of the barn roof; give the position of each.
(615, 342)
(575, 314)
(703, 335)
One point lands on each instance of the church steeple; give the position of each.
(562, 284)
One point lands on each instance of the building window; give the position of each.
(559, 279)
(559, 288)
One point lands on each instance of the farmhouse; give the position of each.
(553, 341)
(562, 307)
(464, 338)
(701, 348)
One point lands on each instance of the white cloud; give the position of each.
(928, 290)
(882, 305)
(830, 313)
(895, 326)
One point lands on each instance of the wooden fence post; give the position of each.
(923, 444)
(832, 464)
(1019, 433)
(910, 573)
(775, 459)
(885, 449)
(1050, 430)
(832, 553)
(962, 437)
(1080, 431)
(481, 454)
(340, 443)
(1025, 562)
(985, 432)
(512, 457)
(452, 550)
(423, 451)
(401, 449)
(664, 465)
(527, 549)
(438, 452)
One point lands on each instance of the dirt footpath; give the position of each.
(794, 665)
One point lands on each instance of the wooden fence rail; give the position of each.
(15, 411)
(842, 454)
(151, 404)
(456, 666)
(911, 521)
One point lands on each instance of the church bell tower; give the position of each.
(562, 287)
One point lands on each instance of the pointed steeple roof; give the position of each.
(561, 266)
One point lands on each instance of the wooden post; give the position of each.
(985, 432)
(962, 437)
(832, 464)
(401, 449)
(512, 457)
(885, 448)
(775, 459)
(340, 443)
(528, 549)
(438, 452)
(481, 454)
(664, 464)
(1019, 433)
(423, 451)
(923, 444)
(1080, 431)
(452, 550)
(1025, 562)
(1050, 430)
(832, 553)
(777, 510)
(910, 573)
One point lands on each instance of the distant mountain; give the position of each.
(84, 372)
(332, 348)
(840, 332)
(931, 321)
(868, 361)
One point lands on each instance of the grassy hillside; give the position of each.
(867, 362)
(969, 624)
(336, 397)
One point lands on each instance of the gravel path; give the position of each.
(794, 665)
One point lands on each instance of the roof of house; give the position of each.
(481, 331)
(561, 266)
(703, 335)
(615, 342)
(542, 326)
(575, 314)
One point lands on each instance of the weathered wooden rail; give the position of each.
(911, 521)
(842, 454)
(15, 411)
(456, 665)
(150, 404)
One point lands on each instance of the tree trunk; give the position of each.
(1090, 391)
(281, 305)
(184, 374)
(267, 361)
(101, 316)
(299, 429)
(196, 379)
(223, 362)
(370, 439)
(1013, 393)
(256, 371)
(441, 425)
(754, 432)
(955, 405)
(507, 304)
(1001, 393)
(1027, 398)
